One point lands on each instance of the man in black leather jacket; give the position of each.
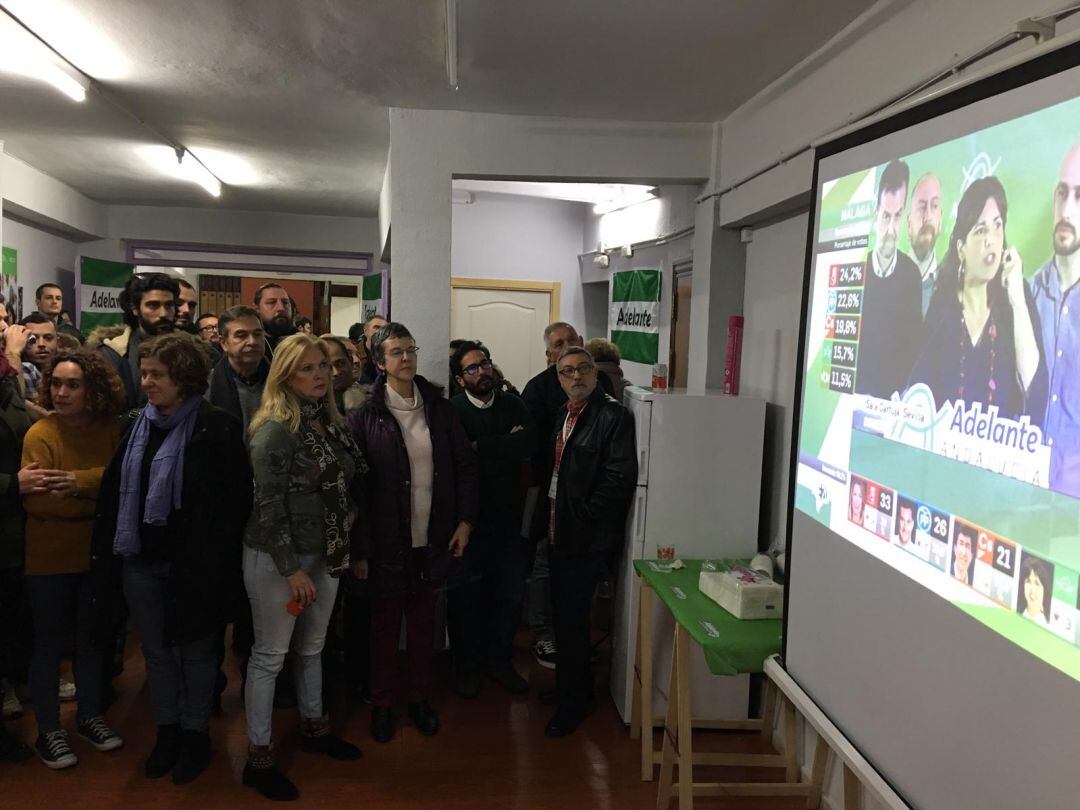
(595, 471)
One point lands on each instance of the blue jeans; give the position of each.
(61, 609)
(539, 587)
(278, 632)
(181, 678)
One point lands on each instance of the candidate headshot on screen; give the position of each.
(924, 226)
(963, 554)
(905, 523)
(1053, 289)
(857, 499)
(1036, 590)
(892, 295)
(981, 342)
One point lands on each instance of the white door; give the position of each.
(509, 322)
(344, 312)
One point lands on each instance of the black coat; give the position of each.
(597, 476)
(205, 564)
(385, 538)
(546, 400)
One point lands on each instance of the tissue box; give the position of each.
(744, 593)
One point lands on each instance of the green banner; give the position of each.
(100, 283)
(634, 315)
(371, 301)
(10, 262)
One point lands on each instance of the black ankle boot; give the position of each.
(424, 718)
(316, 738)
(194, 756)
(165, 753)
(382, 724)
(263, 774)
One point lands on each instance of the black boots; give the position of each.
(194, 756)
(317, 739)
(382, 724)
(263, 774)
(166, 751)
(424, 718)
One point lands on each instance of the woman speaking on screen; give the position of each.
(980, 336)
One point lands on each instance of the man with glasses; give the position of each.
(545, 399)
(484, 614)
(207, 327)
(592, 482)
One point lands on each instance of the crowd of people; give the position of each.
(185, 474)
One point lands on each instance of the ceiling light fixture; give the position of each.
(626, 196)
(24, 54)
(192, 169)
(452, 43)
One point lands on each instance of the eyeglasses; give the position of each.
(569, 371)
(209, 328)
(397, 354)
(476, 368)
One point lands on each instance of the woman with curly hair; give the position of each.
(74, 442)
(296, 547)
(175, 499)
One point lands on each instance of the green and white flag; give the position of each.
(371, 301)
(634, 315)
(100, 282)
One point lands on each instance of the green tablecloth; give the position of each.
(732, 646)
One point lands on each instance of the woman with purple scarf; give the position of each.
(175, 501)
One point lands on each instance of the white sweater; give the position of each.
(410, 416)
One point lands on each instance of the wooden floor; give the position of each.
(490, 753)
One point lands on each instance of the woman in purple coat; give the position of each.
(423, 493)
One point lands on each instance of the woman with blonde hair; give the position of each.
(307, 470)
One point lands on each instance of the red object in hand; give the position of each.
(294, 607)
(733, 357)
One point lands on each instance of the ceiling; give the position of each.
(286, 100)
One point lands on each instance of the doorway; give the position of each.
(508, 317)
(682, 288)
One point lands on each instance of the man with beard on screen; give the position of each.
(1054, 290)
(148, 301)
(924, 226)
(892, 302)
(276, 313)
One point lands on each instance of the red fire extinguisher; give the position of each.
(733, 358)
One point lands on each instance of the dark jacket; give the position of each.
(223, 392)
(500, 452)
(204, 567)
(597, 477)
(385, 538)
(116, 351)
(14, 422)
(545, 399)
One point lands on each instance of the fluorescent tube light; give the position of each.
(25, 55)
(191, 169)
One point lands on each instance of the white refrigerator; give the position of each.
(699, 490)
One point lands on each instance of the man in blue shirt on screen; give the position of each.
(891, 328)
(1054, 290)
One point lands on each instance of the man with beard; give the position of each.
(924, 225)
(892, 297)
(148, 302)
(1053, 288)
(275, 311)
(484, 614)
(186, 305)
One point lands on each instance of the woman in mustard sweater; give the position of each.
(75, 441)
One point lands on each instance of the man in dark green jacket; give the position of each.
(484, 613)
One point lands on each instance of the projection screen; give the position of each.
(934, 542)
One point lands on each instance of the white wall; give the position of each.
(429, 147)
(504, 236)
(43, 257)
(772, 308)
